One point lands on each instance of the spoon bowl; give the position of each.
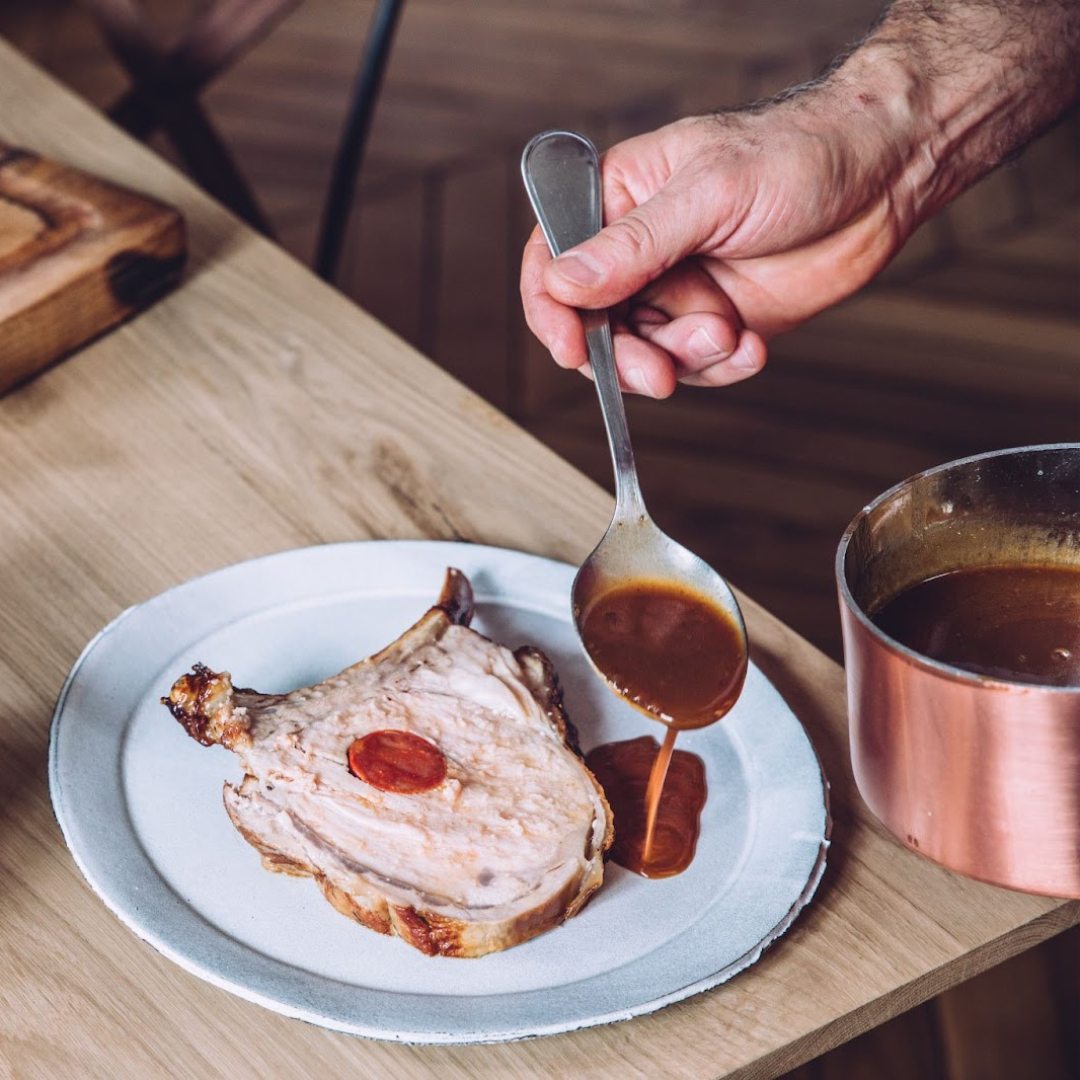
(660, 625)
(634, 548)
(662, 633)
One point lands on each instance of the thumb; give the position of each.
(623, 258)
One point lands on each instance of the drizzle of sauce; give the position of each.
(1013, 622)
(626, 770)
(397, 761)
(679, 659)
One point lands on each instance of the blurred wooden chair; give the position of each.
(166, 84)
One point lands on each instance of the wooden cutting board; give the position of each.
(77, 256)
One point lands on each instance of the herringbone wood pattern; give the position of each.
(969, 342)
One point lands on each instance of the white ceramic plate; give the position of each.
(141, 809)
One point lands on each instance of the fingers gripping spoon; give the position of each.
(651, 646)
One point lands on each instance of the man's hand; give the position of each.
(725, 230)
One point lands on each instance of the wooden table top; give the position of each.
(256, 410)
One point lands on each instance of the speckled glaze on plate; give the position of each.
(140, 806)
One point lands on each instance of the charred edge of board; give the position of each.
(136, 279)
(13, 154)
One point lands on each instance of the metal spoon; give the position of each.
(561, 170)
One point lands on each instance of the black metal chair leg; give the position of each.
(350, 152)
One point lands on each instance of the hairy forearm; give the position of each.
(958, 86)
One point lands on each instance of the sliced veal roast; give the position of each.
(434, 791)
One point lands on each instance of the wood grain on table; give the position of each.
(254, 410)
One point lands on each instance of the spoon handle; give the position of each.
(561, 170)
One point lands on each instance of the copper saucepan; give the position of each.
(977, 773)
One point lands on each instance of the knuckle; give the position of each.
(635, 236)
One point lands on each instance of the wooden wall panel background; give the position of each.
(970, 341)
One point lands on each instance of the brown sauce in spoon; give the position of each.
(678, 658)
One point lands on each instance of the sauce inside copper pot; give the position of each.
(680, 660)
(1011, 622)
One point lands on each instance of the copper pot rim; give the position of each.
(917, 659)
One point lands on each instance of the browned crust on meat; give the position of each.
(374, 918)
(435, 934)
(423, 933)
(272, 859)
(204, 702)
(456, 598)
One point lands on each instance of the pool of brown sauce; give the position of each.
(678, 658)
(1012, 622)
